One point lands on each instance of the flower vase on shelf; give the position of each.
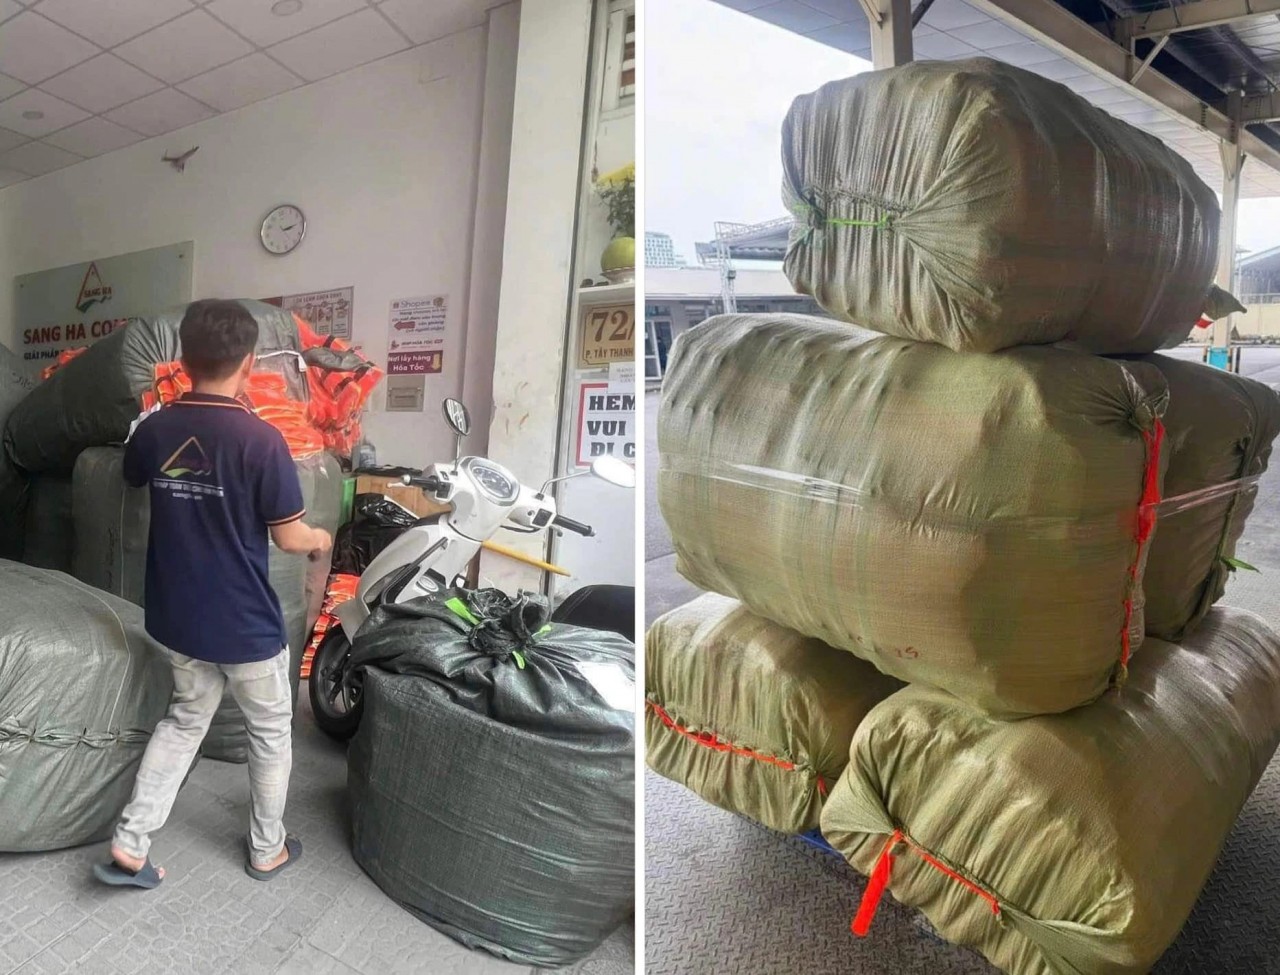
(618, 191)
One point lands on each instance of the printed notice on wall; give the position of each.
(415, 335)
(327, 312)
(622, 377)
(606, 423)
(608, 335)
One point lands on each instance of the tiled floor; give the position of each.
(323, 917)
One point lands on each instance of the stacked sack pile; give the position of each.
(963, 575)
(63, 439)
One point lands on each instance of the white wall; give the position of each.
(383, 160)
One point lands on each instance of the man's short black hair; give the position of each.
(216, 336)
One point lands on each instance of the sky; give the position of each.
(718, 84)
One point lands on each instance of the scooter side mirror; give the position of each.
(614, 471)
(456, 415)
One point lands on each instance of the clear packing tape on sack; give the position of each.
(821, 491)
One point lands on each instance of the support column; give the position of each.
(1232, 166)
(890, 23)
(545, 171)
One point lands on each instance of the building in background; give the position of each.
(1258, 285)
(660, 251)
(678, 298)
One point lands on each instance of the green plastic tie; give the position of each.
(881, 224)
(545, 630)
(460, 609)
(1234, 564)
(519, 658)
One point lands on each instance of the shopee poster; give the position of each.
(415, 335)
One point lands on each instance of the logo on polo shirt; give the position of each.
(191, 459)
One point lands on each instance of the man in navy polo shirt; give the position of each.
(221, 480)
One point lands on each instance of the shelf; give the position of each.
(607, 292)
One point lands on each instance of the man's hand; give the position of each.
(321, 544)
(297, 538)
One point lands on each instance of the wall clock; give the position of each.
(283, 229)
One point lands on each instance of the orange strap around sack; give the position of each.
(708, 740)
(880, 877)
(1144, 526)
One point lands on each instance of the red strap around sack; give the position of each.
(881, 875)
(1144, 525)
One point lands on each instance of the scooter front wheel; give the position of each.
(337, 703)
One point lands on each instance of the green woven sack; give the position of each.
(753, 717)
(1072, 843)
(1219, 429)
(981, 206)
(969, 521)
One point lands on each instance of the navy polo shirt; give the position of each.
(220, 478)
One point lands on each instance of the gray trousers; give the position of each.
(263, 693)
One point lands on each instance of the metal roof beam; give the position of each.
(1067, 35)
(1188, 16)
(1259, 108)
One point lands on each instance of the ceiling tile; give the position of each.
(254, 19)
(102, 83)
(988, 35)
(937, 46)
(336, 47)
(1022, 55)
(841, 10)
(108, 24)
(852, 37)
(425, 22)
(946, 15)
(10, 139)
(241, 83)
(794, 16)
(36, 159)
(93, 137)
(8, 8)
(55, 113)
(184, 48)
(32, 48)
(1060, 69)
(10, 176)
(9, 86)
(162, 112)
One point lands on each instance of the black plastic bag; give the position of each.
(376, 522)
(492, 778)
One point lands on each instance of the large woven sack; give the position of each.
(1219, 430)
(1065, 843)
(82, 687)
(15, 384)
(981, 206)
(492, 780)
(92, 400)
(49, 538)
(753, 717)
(969, 521)
(112, 521)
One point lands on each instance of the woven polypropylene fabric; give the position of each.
(965, 520)
(112, 521)
(750, 715)
(981, 206)
(92, 400)
(1093, 832)
(492, 787)
(81, 689)
(1219, 429)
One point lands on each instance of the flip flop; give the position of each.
(292, 844)
(114, 875)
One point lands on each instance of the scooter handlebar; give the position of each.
(561, 521)
(428, 483)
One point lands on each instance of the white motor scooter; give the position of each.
(432, 555)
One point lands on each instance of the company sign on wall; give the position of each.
(73, 306)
